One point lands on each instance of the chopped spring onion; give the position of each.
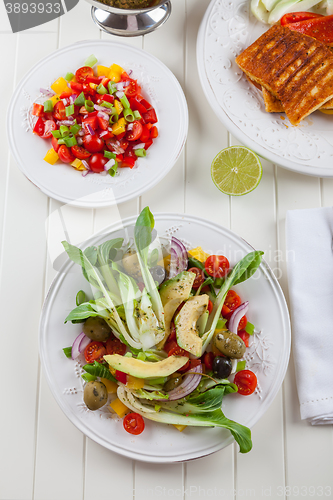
(110, 155)
(140, 152)
(128, 355)
(141, 356)
(69, 77)
(113, 170)
(89, 105)
(61, 141)
(70, 141)
(56, 134)
(241, 365)
(79, 101)
(64, 130)
(137, 115)
(70, 110)
(106, 104)
(68, 351)
(90, 61)
(124, 101)
(249, 328)
(101, 89)
(128, 115)
(48, 106)
(114, 118)
(112, 88)
(75, 128)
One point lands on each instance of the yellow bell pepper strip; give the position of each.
(119, 407)
(78, 165)
(199, 254)
(60, 86)
(103, 71)
(134, 382)
(111, 387)
(119, 127)
(51, 157)
(55, 99)
(115, 73)
(119, 107)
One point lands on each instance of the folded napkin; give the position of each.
(310, 276)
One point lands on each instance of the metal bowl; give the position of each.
(130, 22)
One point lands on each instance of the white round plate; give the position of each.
(228, 28)
(63, 182)
(267, 355)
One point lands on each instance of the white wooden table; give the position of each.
(43, 456)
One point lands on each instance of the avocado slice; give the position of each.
(173, 292)
(146, 369)
(186, 324)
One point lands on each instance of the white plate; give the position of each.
(61, 181)
(227, 28)
(267, 355)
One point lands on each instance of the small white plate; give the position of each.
(267, 355)
(61, 181)
(228, 28)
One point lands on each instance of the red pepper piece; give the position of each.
(37, 109)
(121, 377)
(150, 116)
(107, 98)
(320, 28)
(145, 136)
(137, 106)
(78, 87)
(153, 132)
(295, 17)
(93, 79)
(145, 103)
(128, 161)
(148, 144)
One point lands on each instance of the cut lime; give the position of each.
(236, 170)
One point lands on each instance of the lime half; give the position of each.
(236, 170)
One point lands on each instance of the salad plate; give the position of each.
(159, 86)
(267, 355)
(226, 30)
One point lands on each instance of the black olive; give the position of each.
(158, 274)
(172, 383)
(222, 367)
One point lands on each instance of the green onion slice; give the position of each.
(90, 61)
(48, 106)
(79, 101)
(70, 110)
(124, 102)
(69, 77)
(128, 115)
(101, 89)
(140, 152)
(110, 155)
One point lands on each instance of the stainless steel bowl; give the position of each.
(130, 22)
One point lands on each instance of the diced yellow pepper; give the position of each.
(60, 86)
(134, 382)
(119, 407)
(93, 85)
(51, 157)
(111, 387)
(112, 370)
(115, 73)
(119, 107)
(119, 127)
(103, 71)
(54, 99)
(199, 254)
(180, 428)
(78, 165)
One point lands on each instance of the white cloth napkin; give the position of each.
(310, 275)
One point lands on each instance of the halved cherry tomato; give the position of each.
(91, 120)
(232, 301)
(37, 109)
(128, 162)
(65, 154)
(115, 346)
(246, 382)
(295, 17)
(134, 423)
(150, 116)
(93, 143)
(244, 336)
(88, 90)
(55, 144)
(80, 153)
(210, 306)
(208, 359)
(217, 266)
(94, 352)
(176, 350)
(59, 111)
(49, 125)
(83, 73)
(136, 131)
(242, 324)
(199, 278)
(132, 89)
(39, 127)
(97, 162)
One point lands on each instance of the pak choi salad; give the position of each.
(164, 335)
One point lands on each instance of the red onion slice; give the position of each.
(103, 109)
(72, 98)
(109, 164)
(103, 115)
(86, 164)
(179, 258)
(79, 344)
(237, 316)
(91, 131)
(47, 92)
(189, 384)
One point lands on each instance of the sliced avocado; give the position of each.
(146, 369)
(173, 292)
(186, 324)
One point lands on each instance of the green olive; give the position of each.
(95, 395)
(131, 264)
(97, 329)
(172, 383)
(230, 344)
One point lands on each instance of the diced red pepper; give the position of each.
(153, 132)
(37, 109)
(320, 28)
(145, 103)
(124, 76)
(88, 90)
(93, 79)
(78, 87)
(148, 144)
(91, 120)
(135, 105)
(103, 124)
(66, 95)
(55, 144)
(295, 17)
(121, 377)
(145, 136)
(119, 158)
(150, 116)
(108, 98)
(128, 161)
(105, 82)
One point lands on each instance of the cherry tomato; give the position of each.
(232, 301)
(217, 266)
(80, 153)
(83, 73)
(94, 352)
(244, 336)
(200, 277)
(93, 143)
(115, 346)
(55, 144)
(134, 423)
(132, 89)
(242, 324)
(246, 382)
(49, 125)
(175, 350)
(65, 154)
(208, 359)
(121, 377)
(210, 306)
(136, 131)
(97, 162)
(59, 111)
(39, 127)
